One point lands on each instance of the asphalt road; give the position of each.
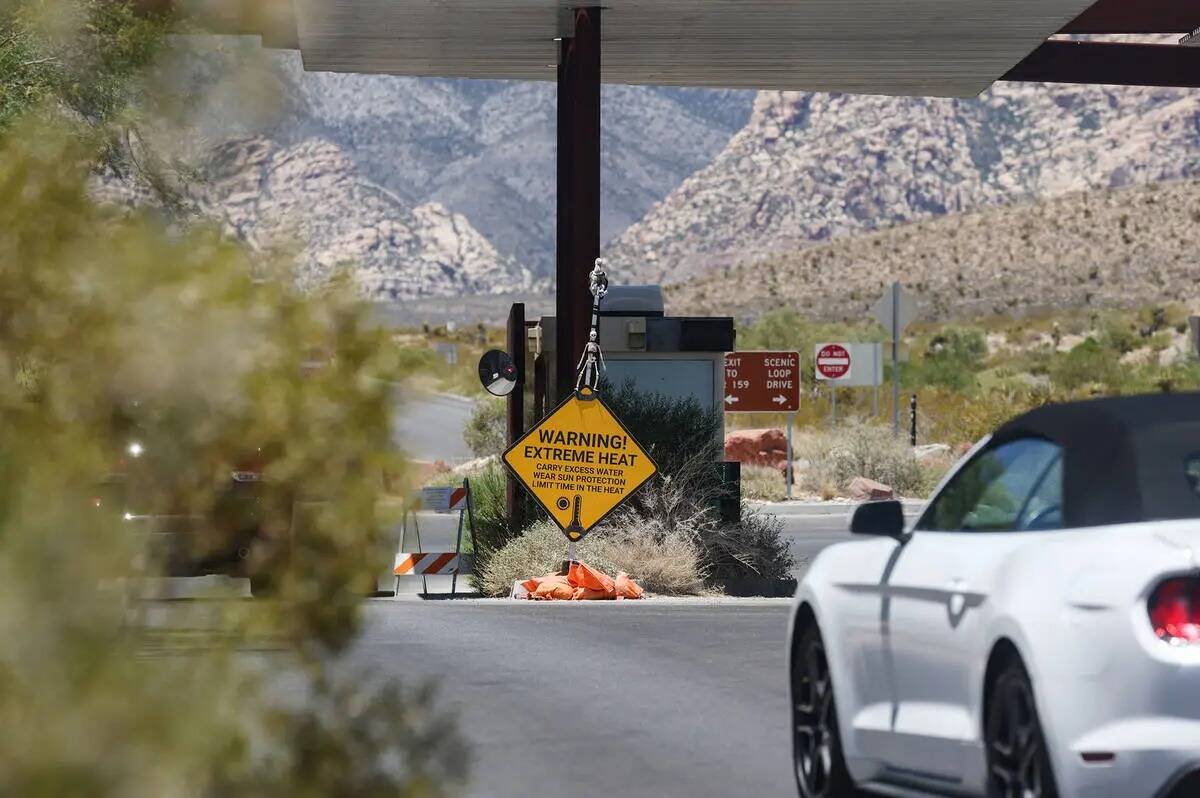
(606, 698)
(429, 427)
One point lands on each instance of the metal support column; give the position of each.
(578, 192)
(515, 425)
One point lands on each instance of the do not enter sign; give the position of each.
(833, 362)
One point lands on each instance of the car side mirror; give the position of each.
(884, 519)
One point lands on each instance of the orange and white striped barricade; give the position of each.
(422, 563)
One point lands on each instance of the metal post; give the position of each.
(876, 371)
(912, 420)
(458, 548)
(833, 395)
(417, 529)
(515, 424)
(896, 359)
(578, 191)
(790, 454)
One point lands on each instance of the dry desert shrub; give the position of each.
(661, 561)
(858, 449)
(761, 483)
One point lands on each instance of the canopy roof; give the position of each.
(919, 47)
(909, 47)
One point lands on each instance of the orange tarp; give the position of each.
(582, 583)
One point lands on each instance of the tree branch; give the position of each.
(37, 61)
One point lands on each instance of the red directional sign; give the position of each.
(762, 382)
(833, 362)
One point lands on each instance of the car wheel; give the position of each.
(1017, 758)
(816, 744)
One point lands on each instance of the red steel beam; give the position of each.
(1110, 63)
(1137, 17)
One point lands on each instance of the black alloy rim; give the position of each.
(1015, 743)
(814, 722)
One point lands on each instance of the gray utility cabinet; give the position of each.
(675, 357)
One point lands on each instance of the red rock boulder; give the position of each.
(760, 447)
(866, 490)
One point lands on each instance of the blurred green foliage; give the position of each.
(111, 321)
(486, 432)
(83, 56)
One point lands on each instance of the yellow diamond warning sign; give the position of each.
(580, 463)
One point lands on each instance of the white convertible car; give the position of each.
(1037, 632)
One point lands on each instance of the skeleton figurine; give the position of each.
(591, 363)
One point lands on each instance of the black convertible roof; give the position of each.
(1125, 459)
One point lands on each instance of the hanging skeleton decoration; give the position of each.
(591, 363)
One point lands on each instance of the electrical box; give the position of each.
(677, 357)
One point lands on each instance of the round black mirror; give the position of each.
(497, 373)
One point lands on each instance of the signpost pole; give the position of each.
(790, 454)
(578, 191)
(833, 394)
(896, 359)
(876, 370)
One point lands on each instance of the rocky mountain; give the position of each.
(486, 149)
(311, 196)
(1102, 248)
(814, 167)
(452, 174)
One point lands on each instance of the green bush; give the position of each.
(952, 359)
(106, 317)
(486, 432)
(1088, 363)
(685, 441)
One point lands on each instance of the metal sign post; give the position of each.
(847, 365)
(790, 455)
(895, 311)
(765, 382)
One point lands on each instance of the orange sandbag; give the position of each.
(553, 588)
(627, 588)
(587, 594)
(583, 575)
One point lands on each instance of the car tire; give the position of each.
(819, 763)
(1017, 757)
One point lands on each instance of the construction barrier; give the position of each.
(429, 563)
(426, 563)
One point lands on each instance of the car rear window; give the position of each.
(1169, 471)
(1191, 471)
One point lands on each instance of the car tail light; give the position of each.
(1175, 610)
